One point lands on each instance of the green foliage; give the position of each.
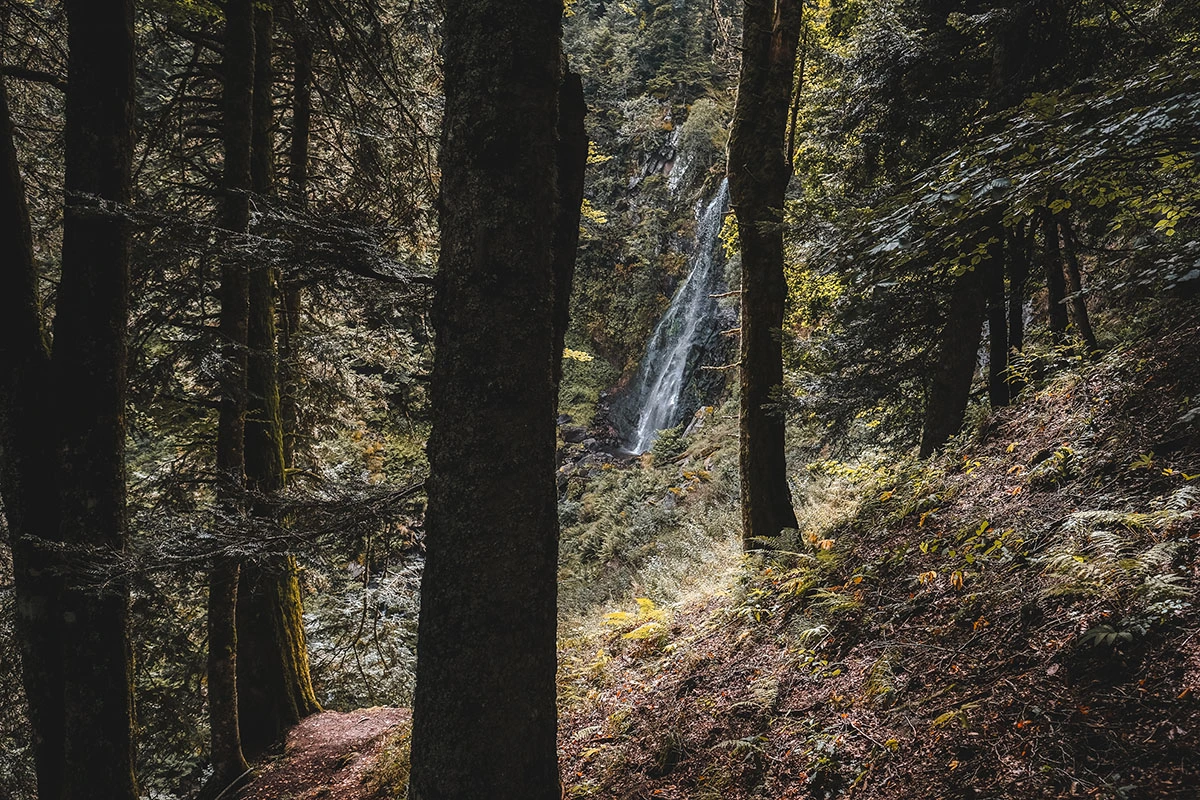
(669, 445)
(1053, 471)
(582, 383)
(388, 775)
(913, 139)
(654, 527)
(1130, 560)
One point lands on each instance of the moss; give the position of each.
(388, 776)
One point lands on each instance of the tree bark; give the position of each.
(1020, 247)
(758, 177)
(1079, 312)
(229, 763)
(1056, 311)
(27, 471)
(484, 716)
(89, 363)
(1019, 250)
(262, 136)
(302, 79)
(958, 348)
(572, 161)
(291, 301)
(274, 688)
(998, 386)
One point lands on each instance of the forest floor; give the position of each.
(336, 756)
(1014, 619)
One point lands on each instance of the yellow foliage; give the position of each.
(577, 355)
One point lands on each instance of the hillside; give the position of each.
(1012, 619)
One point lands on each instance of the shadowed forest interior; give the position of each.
(513, 400)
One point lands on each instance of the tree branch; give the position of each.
(35, 75)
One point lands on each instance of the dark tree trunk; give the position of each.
(229, 764)
(958, 348)
(27, 471)
(262, 137)
(89, 382)
(274, 687)
(1056, 310)
(1020, 248)
(572, 160)
(484, 716)
(228, 760)
(758, 177)
(1079, 312)
(993, 275)
(302, 78)
(291, 300)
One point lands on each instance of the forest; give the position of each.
(532, 399)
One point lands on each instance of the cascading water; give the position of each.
(674, 348)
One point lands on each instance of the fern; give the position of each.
(1183, 498)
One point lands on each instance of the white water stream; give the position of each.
(671, 353)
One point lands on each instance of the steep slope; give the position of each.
(1014, 619)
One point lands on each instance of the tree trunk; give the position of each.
(228, 760)
(998, 386)
(758, 177)
(1055, 285)
(484, 716)
(89, 363)
(229, 763)
(290, 306)
(1079, 312)
(262, 135)
(291, 300)
(572, 161)
(302, 78)
(958, 348)
(27, 471)
(274, 688)
(1020, 247)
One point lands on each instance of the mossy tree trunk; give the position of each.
(89, 365)
(27, 471)
(758, 177)
(228, 760)
(274, 688)
(484, 716)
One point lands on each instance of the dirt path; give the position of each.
(327, 757)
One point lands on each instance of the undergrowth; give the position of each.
(1013, 618)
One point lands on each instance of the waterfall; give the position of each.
(684, 330)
